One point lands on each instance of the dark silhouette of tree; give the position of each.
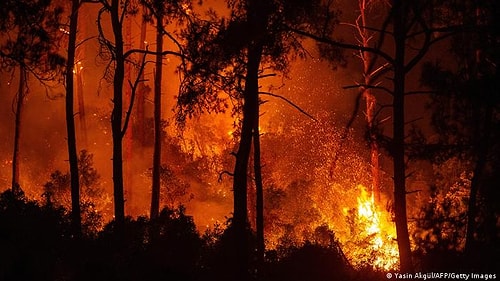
(70, 121)
(465, 115)
(114, 51)
(259, 193)
(117, 13)
(93, 200)
(31, 32)
(161, 11)
(236, 54)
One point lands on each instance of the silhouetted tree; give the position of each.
(29, 43)
(118, 57)
(114, 51)
(465, 115)
(162, 12)
(117, 13)
(233, 56)
(70, 120)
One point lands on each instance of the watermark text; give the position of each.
(441, 275)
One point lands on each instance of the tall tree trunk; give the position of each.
(76, 223)
(259, 194)
(140, 123)
(374, 148)
(128, 137)
(250, 109)
(483, 133)
(155, 190)
(21, 94)
(81, 106)
(483, 145)
(116, 116)
(368, 60)
(398, 146)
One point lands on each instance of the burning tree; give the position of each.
(414, 29)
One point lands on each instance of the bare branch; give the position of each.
(268, 75)
(335, 43)
(414, 120)
(224, 173)
(148, 52)
(132, 96)
(387, 90)
(290, 103)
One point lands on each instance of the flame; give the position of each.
(377, 232)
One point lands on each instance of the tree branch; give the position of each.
(290, 103)
(331, 42)
(132, 96)
(387, 90)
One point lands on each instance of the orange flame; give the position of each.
(376, 232)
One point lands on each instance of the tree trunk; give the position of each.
(368, 60)
(250, 109)
(128, 137)
(484, 135)
(76, 223)
(21, 94)
(81, 106)
(155, 190)
(398, 147)
(140, 123)
(116, 116)
(374, 150)
(259, 194)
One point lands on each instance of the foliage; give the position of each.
(311, 262)
(32, 238)
(466, 106)
(172, 11)
(95, 203)
(176, 252)
(174, 190)
(30, 34)
(165, 248)
(217, 48)
(442, 221)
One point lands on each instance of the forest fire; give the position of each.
(248, 140)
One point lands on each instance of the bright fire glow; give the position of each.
(377, 235)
